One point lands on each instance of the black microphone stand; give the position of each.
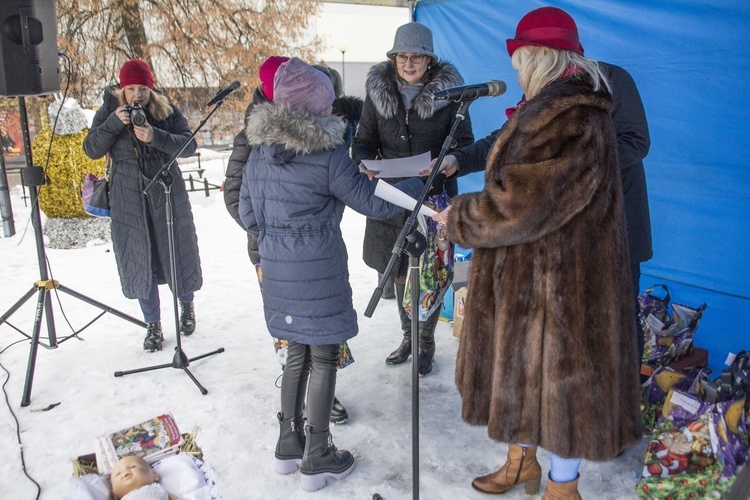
(165, 177)
(414, 244)
(32, 176)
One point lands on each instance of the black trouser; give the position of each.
(426, 328)
(318, 363)
(635, 274)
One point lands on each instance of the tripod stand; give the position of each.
(33, 177)
(165, 177)
(414, 244)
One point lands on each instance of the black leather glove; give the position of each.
(437, 184)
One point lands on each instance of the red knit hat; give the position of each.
(546, 27)
(267, 71)
(136, 72)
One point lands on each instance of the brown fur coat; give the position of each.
(548, 354)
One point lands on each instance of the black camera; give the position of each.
(137, 115)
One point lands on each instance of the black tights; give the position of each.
(318, 363)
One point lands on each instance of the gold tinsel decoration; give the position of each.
(65, 171)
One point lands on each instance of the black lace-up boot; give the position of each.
(187, 318)
(291, 445)
(323, 460)
(339, 415)
(154, 337)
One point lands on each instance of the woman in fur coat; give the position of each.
(400, 119)
(295, 186)
(547, 355)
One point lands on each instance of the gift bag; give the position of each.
(435, 266)
(695, 448)
(666, 337)
(95, 195)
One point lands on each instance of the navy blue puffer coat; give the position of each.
(295, 186)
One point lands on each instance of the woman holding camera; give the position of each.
(140, 130)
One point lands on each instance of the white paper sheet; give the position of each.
(389, 193)
(399, 167)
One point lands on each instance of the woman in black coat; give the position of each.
(139, 224)
(400, 119)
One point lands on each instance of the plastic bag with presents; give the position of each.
(435, 265)
(680, 458)
(666, 337)
(695, 448)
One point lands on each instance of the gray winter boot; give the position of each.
(291, 445)
(323, 460)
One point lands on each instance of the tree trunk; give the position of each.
(133, 29)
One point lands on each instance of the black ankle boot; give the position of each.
(322, 460)
(427, 343)
(402, 352)
(291, 445)
(154, 337)
(187, 318)
(426, 355)
(339, 415)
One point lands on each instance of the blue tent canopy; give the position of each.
(689, 60)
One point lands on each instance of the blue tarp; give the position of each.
(689, 60)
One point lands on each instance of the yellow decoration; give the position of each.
(66, 169)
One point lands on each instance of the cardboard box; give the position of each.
(694, 359)
(460, 274)
(459, 310)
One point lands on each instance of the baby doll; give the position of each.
(132, 478)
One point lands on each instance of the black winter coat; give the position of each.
(135, 243)
(233, 182)
(386, 130)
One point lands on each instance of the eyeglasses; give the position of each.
(414, 58)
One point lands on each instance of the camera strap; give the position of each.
(137, 151)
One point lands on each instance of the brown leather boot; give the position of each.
(562, 491)
(521, 467)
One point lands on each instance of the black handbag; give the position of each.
(95, 194)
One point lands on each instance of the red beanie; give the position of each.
(136, 72)
(267, 71)
(546, 27)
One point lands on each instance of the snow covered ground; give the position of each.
(237, 416)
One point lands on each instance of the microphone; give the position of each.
(222, 94)
(492, 88)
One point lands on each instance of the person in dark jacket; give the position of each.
(538, 363)
(139, 221)
(400, 119)
(347, 107)
(633, 143)
(296, 184)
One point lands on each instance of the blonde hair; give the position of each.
(158, 104)
(538, 66)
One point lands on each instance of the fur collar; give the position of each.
(294, 129)
(383, 90)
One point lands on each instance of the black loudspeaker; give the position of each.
(28, 48)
